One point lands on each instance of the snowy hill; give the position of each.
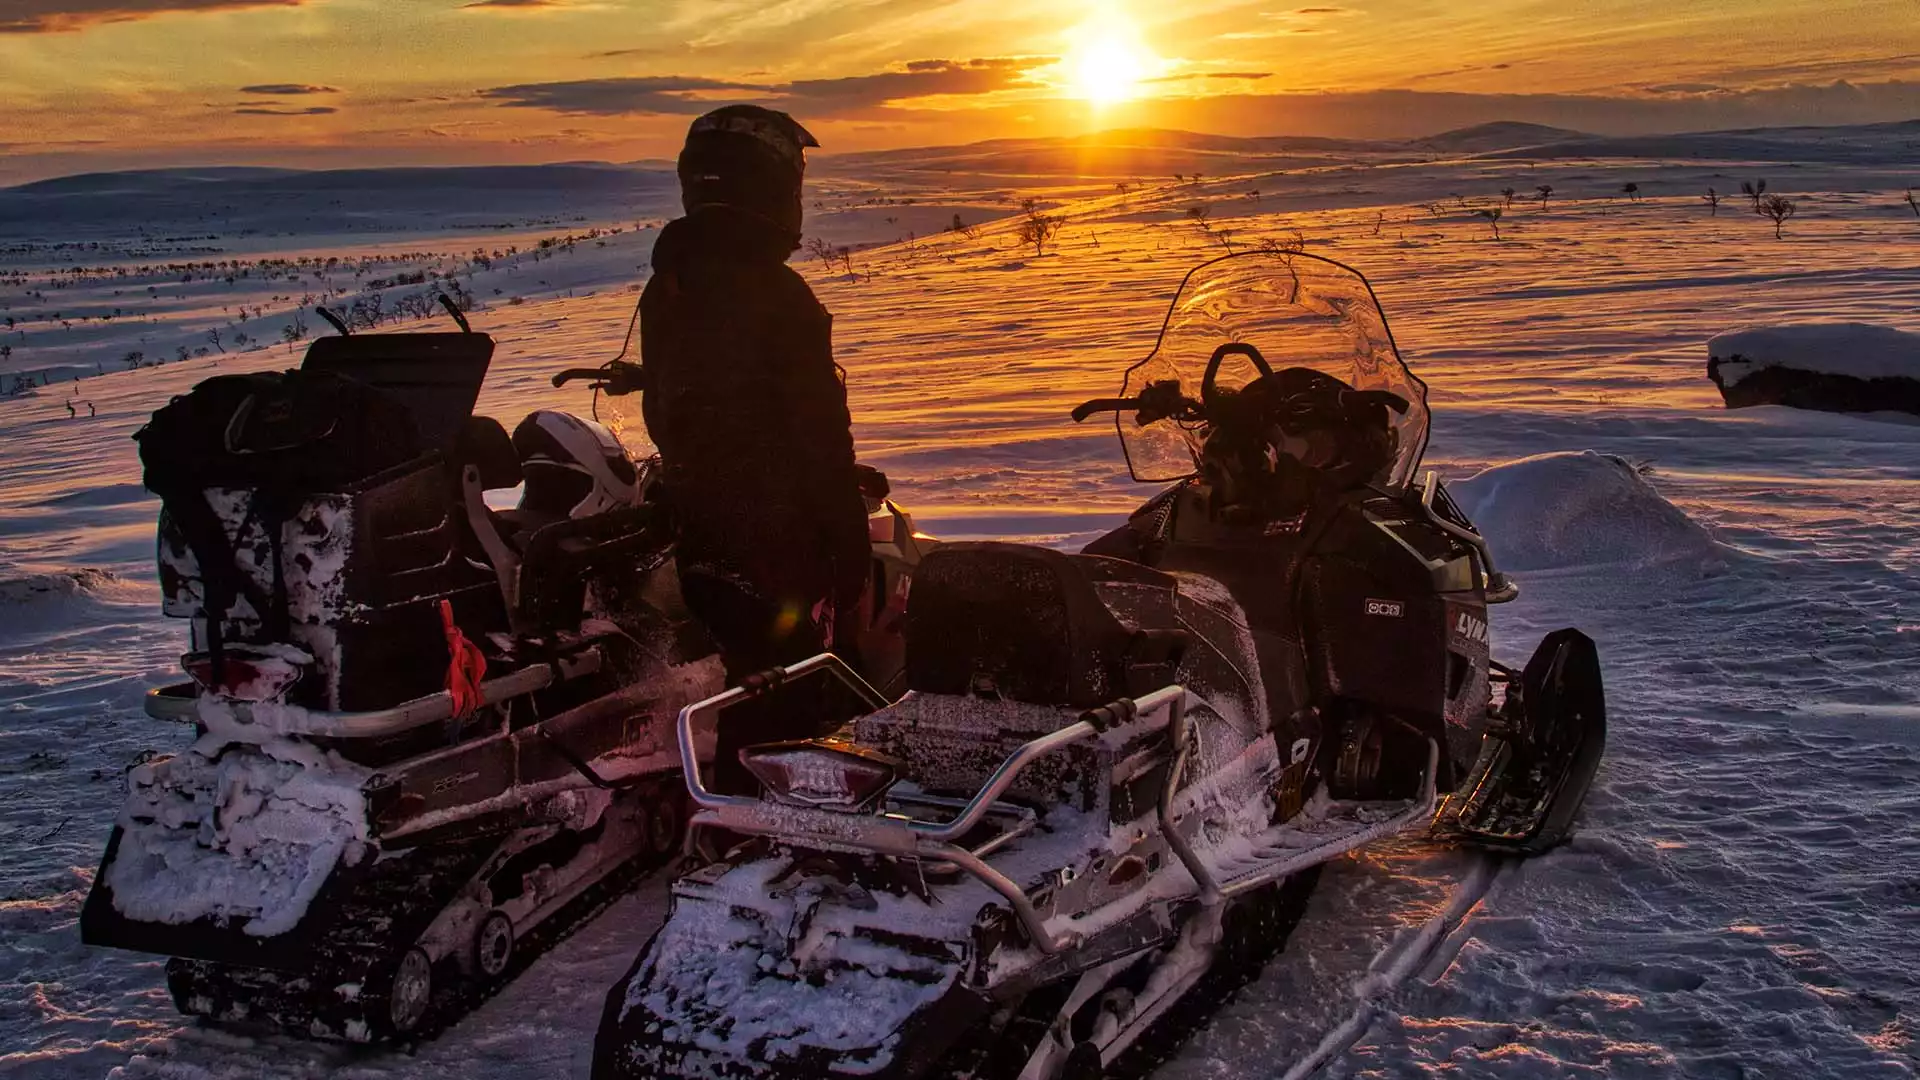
(1499, 135)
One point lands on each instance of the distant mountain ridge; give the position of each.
(1116, 152)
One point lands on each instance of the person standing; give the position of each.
(749, 412)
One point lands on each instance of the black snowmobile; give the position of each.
(1115, 775)
(432, 736)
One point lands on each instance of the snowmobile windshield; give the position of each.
(1298, 311)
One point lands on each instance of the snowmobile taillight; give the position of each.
(244, 674)
(831, 774)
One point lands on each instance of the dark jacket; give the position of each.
(749, 412)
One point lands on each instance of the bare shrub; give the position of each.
(1631, 191)
(1776, 208)
(1712, 198)
(820, 249)
(1507, 193)
(1914, 202)
(1754, 190)
(1492, 214)
(1037, 228)
(1546, 192)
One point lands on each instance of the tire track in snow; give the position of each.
(1427, 950)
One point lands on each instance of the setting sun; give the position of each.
(1107, 65)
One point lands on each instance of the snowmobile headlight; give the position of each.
(831, 774)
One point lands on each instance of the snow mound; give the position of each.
(1857, 350)
(1578, 508)
(56, 587)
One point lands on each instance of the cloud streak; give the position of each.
(674, 95)
(65, 16)
(267, 110)
(288, 89)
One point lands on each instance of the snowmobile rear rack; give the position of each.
(903, 836)
(1283, 850)
(179, 703)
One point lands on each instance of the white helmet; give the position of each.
(574, 468)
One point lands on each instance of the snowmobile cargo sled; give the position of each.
(1116, 774)
(431, 737)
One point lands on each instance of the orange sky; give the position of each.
(115, 83)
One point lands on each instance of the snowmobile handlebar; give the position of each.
(615, 379)
(1159, 401)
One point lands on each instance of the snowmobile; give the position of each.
(431, 737)
(1115, 775)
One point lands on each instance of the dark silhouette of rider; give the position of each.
(749, 412)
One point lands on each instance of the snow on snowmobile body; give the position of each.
(1115, 774)
(351, 848)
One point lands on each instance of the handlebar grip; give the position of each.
(1100, 405)
(571, 374)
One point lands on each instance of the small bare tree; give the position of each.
(1777, 208)
(1712, 198)
(1914, 202)
(1037, 228)
(1507, 193)
(820, 249)
(1631, 191)
(1225, 236)
(1754, 190)
(1546, 192)
(1492, 214)
(213, 335)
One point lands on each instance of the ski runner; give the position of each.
(749, 412)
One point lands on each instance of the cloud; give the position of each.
(288, 89)
(922, 78)
(313, 110)
(672, 95)
(667, 95)
(55, 16)
(1191, 75)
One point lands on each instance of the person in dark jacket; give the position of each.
(749, 412)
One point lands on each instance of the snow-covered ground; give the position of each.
(1743, 899)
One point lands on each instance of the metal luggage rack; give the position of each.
(936, 841)
(939, 841)
(180, 702)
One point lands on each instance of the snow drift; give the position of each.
(1578, 508)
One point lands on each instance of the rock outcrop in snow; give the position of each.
(1579, 508)
(1834, 367)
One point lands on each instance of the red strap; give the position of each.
(466, 666)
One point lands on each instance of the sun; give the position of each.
(1107, 63)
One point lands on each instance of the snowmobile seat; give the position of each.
(1026, 624)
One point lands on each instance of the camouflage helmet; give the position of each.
(748, 157)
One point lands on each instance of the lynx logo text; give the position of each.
(1471, 628)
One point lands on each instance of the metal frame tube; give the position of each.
(405, 716)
